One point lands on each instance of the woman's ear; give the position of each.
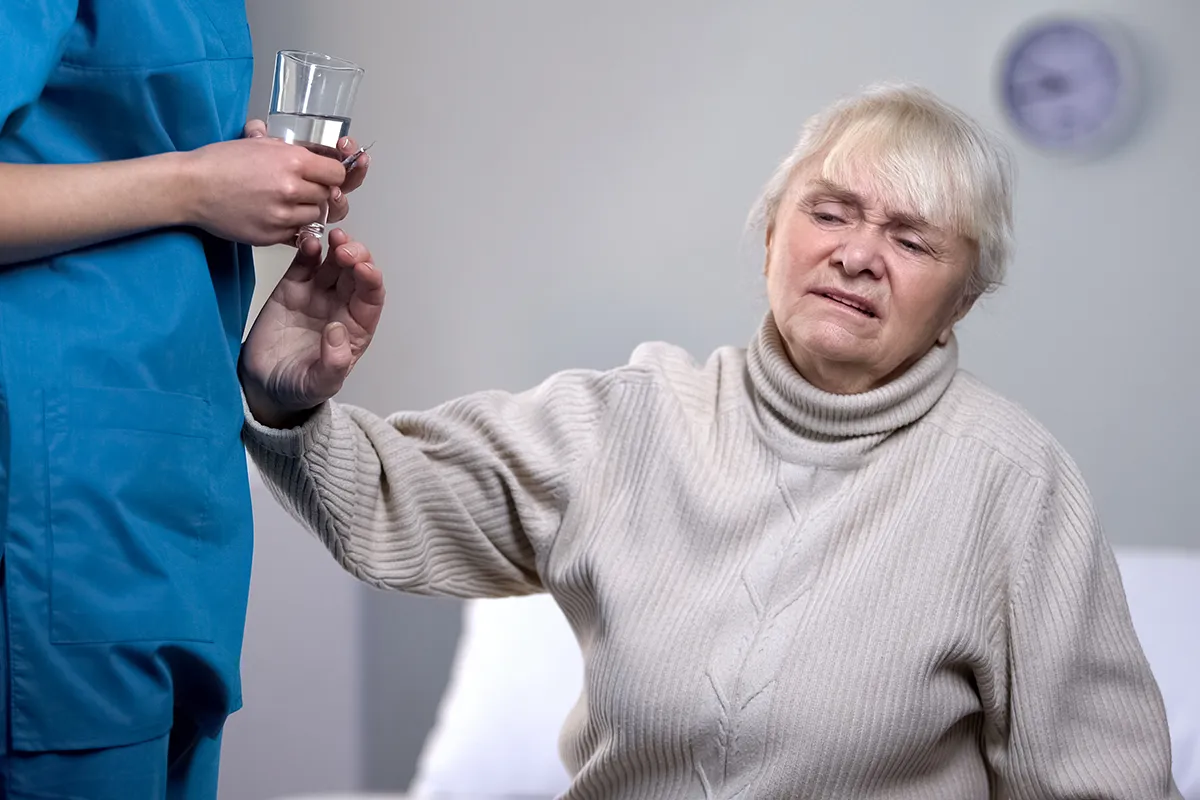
(770, 234)
(963, 307)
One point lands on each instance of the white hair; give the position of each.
(922, 156)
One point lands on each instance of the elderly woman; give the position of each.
(829, 565)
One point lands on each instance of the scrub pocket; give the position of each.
(129, 492)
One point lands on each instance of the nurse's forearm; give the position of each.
(46, 209)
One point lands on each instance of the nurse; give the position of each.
(129, 198)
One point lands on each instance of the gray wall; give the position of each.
(555, 182)
(301, 727)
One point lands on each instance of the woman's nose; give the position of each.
(862, 251)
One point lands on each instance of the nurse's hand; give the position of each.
(339, 205)
(312, 330)
(256, 190)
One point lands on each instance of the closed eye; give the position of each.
(913, 247)
(822, 216)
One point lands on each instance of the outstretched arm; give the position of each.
(464, 499)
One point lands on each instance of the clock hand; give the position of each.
(1045, 87)
(1055, 83)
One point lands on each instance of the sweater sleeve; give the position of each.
(1086, 716)
(460, 500)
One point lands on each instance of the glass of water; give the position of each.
(311, 103)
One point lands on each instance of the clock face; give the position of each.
(1066, 85)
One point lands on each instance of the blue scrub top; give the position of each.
(124, 503)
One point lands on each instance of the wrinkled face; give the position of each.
(860, 290)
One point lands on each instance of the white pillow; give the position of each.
(346, 796)
(516, 675)
(1163, 590)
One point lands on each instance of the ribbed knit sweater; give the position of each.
(778, 592)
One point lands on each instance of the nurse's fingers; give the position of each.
(339, 205)
(357, 173)
(254, 129)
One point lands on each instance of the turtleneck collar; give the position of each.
(798, 418)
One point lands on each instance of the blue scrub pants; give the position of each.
(181, 765)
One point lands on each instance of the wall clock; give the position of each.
(1069, 85)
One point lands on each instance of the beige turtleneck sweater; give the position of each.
(778, 592)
